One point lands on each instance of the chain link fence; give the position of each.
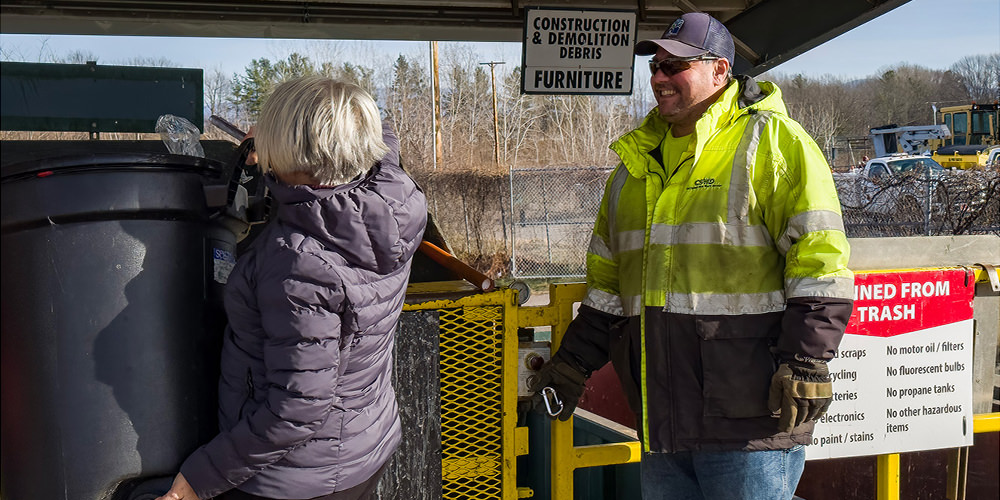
(553, 211)
(952, 202)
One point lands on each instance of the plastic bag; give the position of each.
(180, 136)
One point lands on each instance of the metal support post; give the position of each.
(887, 474)
(496, 121)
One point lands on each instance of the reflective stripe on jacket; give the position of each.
(703, 261)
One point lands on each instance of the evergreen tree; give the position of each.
(362, 76)
(252, 87)
(407, 107)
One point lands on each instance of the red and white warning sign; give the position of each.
(903, 374)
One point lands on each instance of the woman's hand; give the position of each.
(180, 490)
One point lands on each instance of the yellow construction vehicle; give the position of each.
(971, 124)
(964, 157)
(974, 136)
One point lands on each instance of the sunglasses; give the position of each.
(672, 66)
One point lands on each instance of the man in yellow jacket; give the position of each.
(717, 279)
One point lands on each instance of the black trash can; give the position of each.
(113, 266)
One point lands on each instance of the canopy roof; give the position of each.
(767, 32)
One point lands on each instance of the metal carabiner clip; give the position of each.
(552, 400)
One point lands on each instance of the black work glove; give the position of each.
(801, 390)
(565, 377)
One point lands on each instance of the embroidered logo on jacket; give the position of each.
(705, 183)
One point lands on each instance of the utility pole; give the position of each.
(496, 123)
(436, 115)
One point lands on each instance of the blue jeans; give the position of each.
(710, 475)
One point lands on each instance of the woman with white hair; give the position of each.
(306, 406)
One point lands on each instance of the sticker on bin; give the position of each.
(223, 264)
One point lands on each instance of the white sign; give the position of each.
(902, 379)
(578, 51)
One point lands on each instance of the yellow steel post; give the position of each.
(509, 394)
(958, 473)
(561, 298)
(887, 477)
(562, 458)
(565, 457)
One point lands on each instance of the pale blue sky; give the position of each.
(930, 33)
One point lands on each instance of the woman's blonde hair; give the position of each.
(328, 129)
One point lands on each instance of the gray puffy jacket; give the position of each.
(306, 406)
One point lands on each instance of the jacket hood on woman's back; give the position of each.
(375, 222)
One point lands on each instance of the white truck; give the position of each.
(895, 184)
(912, 140)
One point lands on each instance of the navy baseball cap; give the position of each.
(693, 34)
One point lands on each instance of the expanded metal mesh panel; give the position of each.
(471, 402)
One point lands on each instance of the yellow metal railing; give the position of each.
(565, 457)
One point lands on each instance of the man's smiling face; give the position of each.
(684, 96)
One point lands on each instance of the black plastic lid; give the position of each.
(44, 167)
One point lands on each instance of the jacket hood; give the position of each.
(744, 95)
(375, 221)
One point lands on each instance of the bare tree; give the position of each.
(981, 76)
(903, 94)
(77, 57)
(519, 114)
(466, 110)
(407, 107)
(218, 88)
(820, 106)
(18, 53)
(149, 61)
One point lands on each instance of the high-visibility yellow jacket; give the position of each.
(700, 278)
